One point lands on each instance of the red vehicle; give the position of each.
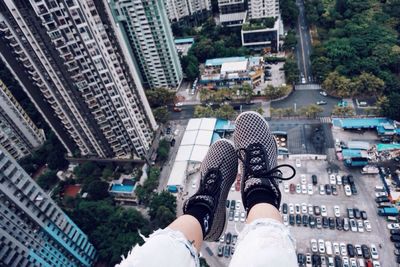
(292, 188)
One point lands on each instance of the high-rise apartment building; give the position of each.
(34, 231)
(68, 60)
(144, 27)
(179, 9)
(232, 12)
(18, 134)
(263, 9)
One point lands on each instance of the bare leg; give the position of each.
(263, 210)
(190, 227)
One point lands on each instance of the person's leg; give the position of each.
(265, 241)
(203, 219)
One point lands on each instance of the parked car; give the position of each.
(298, 219)
(339, 223)
(367, 226)
(314, 245)
(318, 222)
(334, 190)
(292, 188)
(227, 251)
(305, 220)
(301, 259)
(322, 189)
(336, 209)
(365, 251)
(321, 102)
(338, 261)
(220, 250)
(347, 190)
(346, 224)
(364, 215)
(314, 179)
(317, 210)
(228, 238)
(310, 190)
(284, 208)
(332, 179)
(393, 226)
(350, 250)
(336, 249)
(328, 189)
(395, 238)
(331, 223)
(357, 213)
(328, 247)
(353, 225)
(311, 221)
(343, 249)
(321, 246)
(324, 212)
(358, 250)
(291, 219)
(374, 252)
(353, 189)
(325, 222)
(350, 213)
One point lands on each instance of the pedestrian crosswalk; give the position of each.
(325, 119)
(308, 86)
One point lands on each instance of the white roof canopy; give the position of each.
(234, 66)
(178, 173)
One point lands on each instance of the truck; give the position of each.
(370, 170)
(388, 211)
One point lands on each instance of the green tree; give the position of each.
(367, 84)
(98, 190)
(389, 106)
(272, 92)
(289, 12)
(311, 111)
(163, 149)
(107, 173)
(85, 170)
(247, 91)
(290, 41)
(55, 161)
(160, 97)
(161, 114)
(291, 71)
(338, 85)
(225, 112)
(162, 199)
(200, 111)
(47, 180)
(343, 111)
(164, 217)
(260, 111)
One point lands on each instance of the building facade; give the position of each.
(179, 9)
(18, 134)
(34, 230)
(232, 12)
(74, 71)
(263, 9)
(144, 27)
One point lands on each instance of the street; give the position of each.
(303, 50)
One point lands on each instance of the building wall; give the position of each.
(34, 230)
(263, 8)
(146, 30)
(178, 9)
(18, 134)
(66, 51)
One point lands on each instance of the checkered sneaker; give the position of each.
(258, 151)
(218, 172)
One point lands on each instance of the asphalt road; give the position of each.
(304, 98)
(303, 50)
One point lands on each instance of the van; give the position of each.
(361, 263)
(379, 188)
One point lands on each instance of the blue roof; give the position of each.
(360, 123)
(351, 153)
(383, 147)
(220, 61)
(184, 41)
(224, 125)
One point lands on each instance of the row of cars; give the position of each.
(317, 217)
(347, 181)
(335, 254)
(227, 244)
(234, 213)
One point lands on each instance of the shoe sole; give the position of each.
(220, 217)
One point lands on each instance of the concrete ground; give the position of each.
(277, 75)
(363, 201)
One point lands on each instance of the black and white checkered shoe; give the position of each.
(258, 152)
(218, 172)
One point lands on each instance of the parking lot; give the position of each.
(363, 201)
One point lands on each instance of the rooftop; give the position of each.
(222, 60)
(184, 41)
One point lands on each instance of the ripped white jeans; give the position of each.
(264, 242)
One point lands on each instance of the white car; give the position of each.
(285, 219)
(336, 249)
(314, 245)
(376, 264)
(332, 179)
(339, 180)
(367, 226)
(194, 184)
(361, 262)
(374, 252)
(336, 209)
(380, 194)
(303, 179)
(243, 217)
(360, 226)
(322, 189)
(238, 202)
(343, 249)
(298, 189)
(331, 262)
(324, 212)
(353, 225)
(328, 247)
(323, 93)
(291, 208)
(353, 262)
(321, 246)
(304, 208)
(297, 208)
(310, 209)
(286, 188)
(308, 260)
(358, 250)
(298, 163)
(236, 218)
(303, 189)
(347, 190)
(346, 262)
(310, 189)
(391, 226)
